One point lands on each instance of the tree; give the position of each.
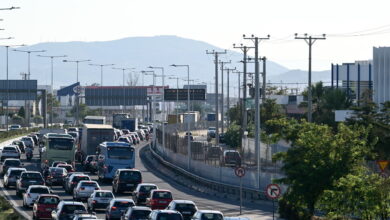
(21, 112)
(84, 110)
(52, 102)
(233, 136)
(319, 157)
(234, 114)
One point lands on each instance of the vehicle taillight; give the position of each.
(113, 208)
(82, 188)
(94, 201)
(97, 188)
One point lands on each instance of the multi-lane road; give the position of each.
(154, 173)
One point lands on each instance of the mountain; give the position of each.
(138, 52)
(300, 76)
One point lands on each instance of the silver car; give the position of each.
(10, 151)
(84, 189)
(99, 199)
(12, 175)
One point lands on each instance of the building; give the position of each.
(381, 70)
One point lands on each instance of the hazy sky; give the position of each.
(219, 22)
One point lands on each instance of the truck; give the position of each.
(94, 120)
(117, 119)
(93, 135)
(172, 119)
(211, 117)
(129, 123)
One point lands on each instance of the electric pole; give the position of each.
(256, 41)
(244, 123)
(228, 90)
(216, 53)
(222, 94)
(310, 40)
(264, 59)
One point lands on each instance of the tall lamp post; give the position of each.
(52, 86)
(77, 80)
(188, 113)
(101, 81)
(28, 77)
(151, 72)
(124, 90)
(177, 99)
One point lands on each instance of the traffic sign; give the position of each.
(382, 164)
(273, 191)
(239, 171)
(77, 89)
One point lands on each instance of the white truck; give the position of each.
(93, 135)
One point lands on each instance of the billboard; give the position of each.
(182, 94)
(18, 89)
(115, 96)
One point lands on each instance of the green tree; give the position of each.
(233, 136)
(52, 103)
(84, 110)
(21, 112)
(235, 114)
(318, 158)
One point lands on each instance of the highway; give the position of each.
(154, 173)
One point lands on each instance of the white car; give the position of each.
(84, 189)
(85, 216)
(33, 193)
(28, 141)
(208, 214)
(15, 127)
(99, 199)
(10, 151)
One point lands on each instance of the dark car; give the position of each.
(56, 176)
(117, 207)
(136, 212)
(142, 192)
(21, 145)
(27, 179)
(90, 163)
(231, 158)
(10, 162)
(222, 138)
(126, 180)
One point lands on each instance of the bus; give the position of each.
(113, 156)
(57, 147)
(95, 120)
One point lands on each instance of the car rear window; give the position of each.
(147, 188)
(169, 216)
(39, 190)
(123, 204)
(104, 194)
(140, 214)
(32, 175)
(49, 200)
(56, 170)
(185, 207)
(232, 154)
(211, 216)
(79, 178)
(162, 195)
(93, 184)
(14, 163)
(16, 172)
(10, 149)
(70, 209)
(130, 175)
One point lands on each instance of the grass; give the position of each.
(7, 212)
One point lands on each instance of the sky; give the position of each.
(218, 22)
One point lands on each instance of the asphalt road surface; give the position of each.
(230, 207)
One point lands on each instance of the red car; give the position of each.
(159, 199)
(44, 205)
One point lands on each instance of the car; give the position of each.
(231, 158)
(8, 163)
(75, 135)
(20, 144)
(12, 175)
(187, 208)
(126, 139)
(44, 205)
(85, 216)
(142, 192)
(159, 199)
(67, 210)
(15, 127)
(99, 199)
(72, 181)
(136, 212)
(125, 131)
(68, 167)
(27, 179)
(84, 189)
(32, 194)
(55, 163)
(28, 141)
(117, 207)
(141, 134)
(73, 129)
(90, 163)
(208, 215)
(165, 214)
(10, 151)
(211, 132)
(136, 139)
(222, 138)
(56, 176)
(34, 138)
(126, 180)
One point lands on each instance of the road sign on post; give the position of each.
(382, 164)
(240, 172)
(273, 192)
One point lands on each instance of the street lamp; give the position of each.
(101, 80)
(151, 72)
(124, 91)
(27, 104)
(77, 80)
(177, 99)
(188, 113)
(6, 57)
(52, 86)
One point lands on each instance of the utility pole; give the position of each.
(215, 53)
(256, 41)
(310, 40)
(222, 101)
(264, 59)
(244, 123)
(228, 89)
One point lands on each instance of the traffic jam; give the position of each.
(89, 173)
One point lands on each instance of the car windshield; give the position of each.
(39, 190)
(70, 209)
(123, 204)
(66, 167)
(169, 216)
(140, 214)
(130, 175)
(185, 207)
(89, 184)
(104, 194)
(48, 200)
(61, 144)
(232, 154)
(124, 153)
(26, 139)
(162, 195)
(16, 172)
(58, 162)
(14, 163)
(211, 216)
(9, 149)
(32, 175)
(79, 178)
(55, 170)
(147, 189)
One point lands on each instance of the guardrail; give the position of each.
(247, 193)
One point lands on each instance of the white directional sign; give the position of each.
(273, 191)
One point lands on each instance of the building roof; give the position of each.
(98, 126)
(68, 90)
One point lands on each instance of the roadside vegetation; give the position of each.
(7, 212)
